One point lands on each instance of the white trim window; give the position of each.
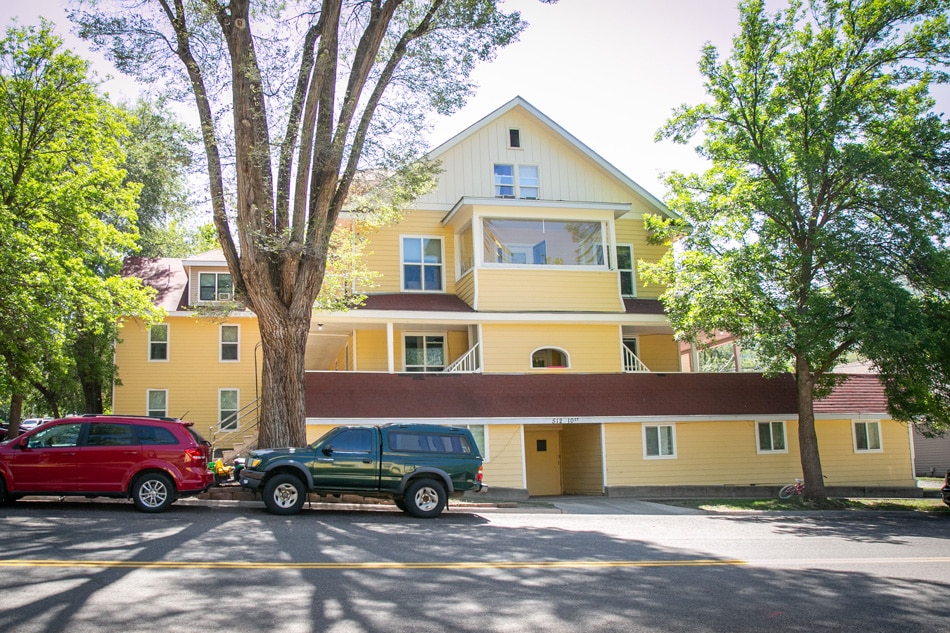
(543, 242)
(867, 436)
(215, 287)
(506, 176)
(770, 437)
(229, 343)
(422, 268)
(659, 441)
(628, 282)
(424, 352)
(158, 343)
(156, 402)
(550, 357)
(480, 433)
(228, 409)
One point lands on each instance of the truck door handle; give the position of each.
(367, 461)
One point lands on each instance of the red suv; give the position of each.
(152, 460)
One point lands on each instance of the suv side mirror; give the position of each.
(328, 450)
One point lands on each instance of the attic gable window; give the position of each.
(514, 138)
(524, 176)
(504, 181)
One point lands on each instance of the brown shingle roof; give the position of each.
(420, 396)
(165, 274)
(428, 302)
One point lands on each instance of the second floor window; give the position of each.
(543, 242)
(425, 352)
(215, 287)
(230, 340)
(158, 342)
(422, 263)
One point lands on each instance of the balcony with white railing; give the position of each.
(631, 363)
(466, 363)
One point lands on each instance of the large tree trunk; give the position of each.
(807, 436)
(282, 415)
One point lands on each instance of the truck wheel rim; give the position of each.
(285, 495)
(427, 499)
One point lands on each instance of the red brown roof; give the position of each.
(426, 302)
(165, 274)
(435, 395)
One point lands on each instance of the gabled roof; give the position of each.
(165, 274)
(519, 102)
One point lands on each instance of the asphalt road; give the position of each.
(105, 567)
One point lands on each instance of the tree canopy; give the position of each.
(821, 227)
(66, 216)
(299, 97)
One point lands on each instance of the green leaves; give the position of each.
(827, 190)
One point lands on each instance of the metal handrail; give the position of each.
(246, 413)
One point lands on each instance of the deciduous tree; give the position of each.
(299, 97)
(823, 219)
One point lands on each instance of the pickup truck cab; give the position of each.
(418, 466)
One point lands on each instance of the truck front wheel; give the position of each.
(425, 498)
(284, 494)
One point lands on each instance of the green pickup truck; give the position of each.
(418, 466)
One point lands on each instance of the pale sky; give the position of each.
(608, 71)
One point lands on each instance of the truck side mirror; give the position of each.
(328, 450)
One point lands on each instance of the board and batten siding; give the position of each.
(565, 173)
(591, 349)
(193, 373)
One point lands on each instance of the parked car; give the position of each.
(945, 491)
(28, 424)
(153, 461)
(4, 427)
(418, 466)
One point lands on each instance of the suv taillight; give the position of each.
(480, 469)
(195, 455)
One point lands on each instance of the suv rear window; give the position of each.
(155, 435)
(407, 442)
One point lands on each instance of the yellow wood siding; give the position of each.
(505, 465)
(724, 453)
(581, 459)
(384, 248)
(192, 375)
(633, 232)
(591, 348)
(537, 290)
(844, 466)
(371, 351)
(565, 173)
(659, 352)
(465, 288)
(316, 431)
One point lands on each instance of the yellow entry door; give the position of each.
(543, 462)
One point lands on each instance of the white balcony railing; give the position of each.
(631, 363)
(466, 363)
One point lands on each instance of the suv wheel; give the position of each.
(284, 494)
(153, 492)
(425, 498)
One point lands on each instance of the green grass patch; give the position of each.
(799, 504)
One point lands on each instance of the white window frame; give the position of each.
(521, 184)
(218, 295)
(236, 412)
(495, 184)
(222, 343)
(489, 261)
(403, 263)
(772, 450)
(560, 350)
(632, 270)
(484, 434)
(867, 425)
(165, 342)
(672, 427)
(148, 402)
(424, 366)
